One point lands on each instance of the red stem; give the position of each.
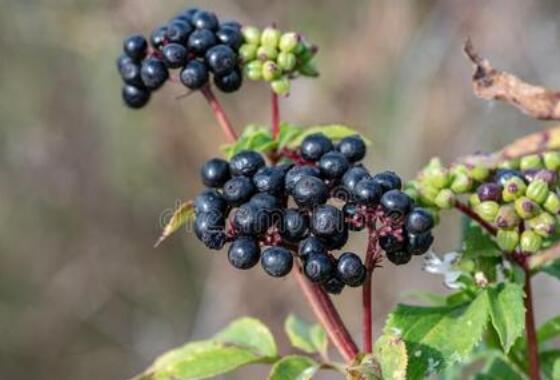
(275, 115)
(367, 316)
(219, 112)
(530, 331)
(465, 209)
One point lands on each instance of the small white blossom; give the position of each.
(445, 267)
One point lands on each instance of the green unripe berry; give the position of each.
(551, 160)
(247, 52)
(286, 61)
(411, 189)
(479, 172)
(514, 188)
(507, 240)
(507, 217)
(281, 86)
(308, 69)
(552, 203)
(526, 208)
(445, 199)
(461, 183)
(537, 191)
(532, 161)
(427, 194)
(289, 42)
(474, 200)
(300, 48)
(530, 241)
(459, 169)
(543, 224)
(509, 164)
(270, 71)
(487, 210)
(436, 175)
(270, 37)
(267, 53)
(253, 70)
(251, 35)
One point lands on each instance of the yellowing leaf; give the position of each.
(390, 352)
(180, 216)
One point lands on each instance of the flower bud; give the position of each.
(514, 187)
(526, 208)
(248, 53)
(427, 194)
(461, 183)
(270, 71)
(479, 172)
(489, 191)
(537, 191)
(532, 161)
(507, 217)
(552, 203)
(281, 86)
(487, 210)
(543, 224)
(530, 241)
(308, 69)
(551, 160)
(270, 37)
(289, 42)
(253, 70)
(252, 35)
(436, 175)
(267, 53)
(286, 61)
(507, 240)
(445, 199)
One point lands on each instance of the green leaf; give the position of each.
(254, 137)
(294, 368)
(435, 336)
(306, 336)
(288, 133)
(335, 132)
(507, 312)
(368, 368)
(250, 333)
(180, 216)
(390, 351)
(549, 363)
(499, 368)
(549, 330)
(556, 370)
(477, 243)
(432, 299)
(552, 269)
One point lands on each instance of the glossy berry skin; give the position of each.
(489, 192)
(418, 244)
(311, 246)
(215, 172)
(135, 97)
(396, 204)
(310, 191)
(419, 220)
(238, 190)
(187, 14)
(337, 240)
(246, 163)
(399, 257)
(334, 285)
(230, 82)
(205, 20)
(209, 229)
(221, 59)
(296, 173)
(154, 73)
(333, 165)
(230, 36)
(353, 148)
(319, 268)
(269, 180)
(327, 220)
(244, 253)
(194, 75)
(210, 200)
(367, 192)
(353, 176)
(314, 146)
(175, 55)
(158, 37)
(130, 72)
(295, 225)
(136, 47)
(277, 261)
(388, 180)
(200, 41)
(352, 216)
(178, 32)
(350, 269)
(390, 243)
(250, 220)
(231, 25)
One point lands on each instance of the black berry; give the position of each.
(230, 36)
(159, 37)
(238, 190)
(249, 219)
(334, 285)
(396, 204)
(353, 176)
(502, 175)
(311, 246)
(209, 200)
(135, 97)
(269, 180)
(489, 192)
(419, 220)
(327, 220)
(200, 41)
(194, 75)
(314, 146)
(267, 202)
(136, 47)
(391, 243)
(367, 192)
(353, 147)
(244, 253)
(246, 163)
(333, 165)
(418, 244)
(388, 180)
(336, 240)
(295, 225)
(215, 172)
(130, 72)
(209, 228)
(350, 269)
(178, 32)
(399, 257)
(187, 15)
(221, 59)
(154, 73)
(319, 268)
(229, 82)
(175, 55)
(310, 191)
(298, 172)
(205, 20)
(277, 261)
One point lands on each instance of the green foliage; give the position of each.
(251, 333)
(550, 363)
(334, 132)
(390, 351)
(294, 368)
(306, 336)
(498, 367)
(180, 217)
(478, 243)
(549, 330)
(254, 137)
(553, 269)
(507, 312)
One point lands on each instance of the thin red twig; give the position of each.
(275, 115)
(219, 112)
(465, 209)
(530, 331)
(367, 312)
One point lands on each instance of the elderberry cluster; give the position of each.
(308, 206)
(195, 42)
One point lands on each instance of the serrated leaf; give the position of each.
(552, 269)
(180, 216)
(548, 361)
(288, 133)
(335, 132)
(477, 243)
(294, 368)
(549, 330)
(390, 352)
(304, 335)
(507, 312)
(432, 299)
(435, 336)
(500, 368)
(254, 137)
(249, 332)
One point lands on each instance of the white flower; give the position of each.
(445, 267)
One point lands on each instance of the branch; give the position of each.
(491, 84)
(367, 318)
(474, 216)
(219, 112)
(532, 344)
(275, 115)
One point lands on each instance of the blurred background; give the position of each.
(84, 182)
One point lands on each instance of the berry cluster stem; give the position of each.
(275, 115)
(219, 113)
(465, 209)
(367, 317)
(530, 331)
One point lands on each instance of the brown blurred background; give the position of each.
(85, 181)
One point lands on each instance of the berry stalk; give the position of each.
(530, 331)
(367, 317)
(219, 112)
(474, 216)
(275, 115)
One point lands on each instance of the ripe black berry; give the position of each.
(295, 225)
(353, 147)
(350, 269)
(418, 244)
(277, 261)
(230, 36)
(215, 172)
(391, 243)
(209, 200)
(158, 37)
(221, 59)
(489, 192)
(310, 191)
(269, 180)
(238, 190)
(298, 172)
(367, 192)
(154, 73)
(231, 25)
(249, 219)
(135, 97)
(319, 268)
(327, 220)
(200, 41)
(229, 82)
(314, 146)
(205, 20)
(399, 257)
(244, 252)
(246, 163)
(194, 75)
(419, 220)
(209, 228)
(175, 55)
(334, 285)
(355, 220)
(187, 15)
(136, 47)
(333, 165)
(267, 202)
(336, 240)
(130, 72)
(311, 246)
(388, 180)
(178, 31)
(396, 204)
(353, 176)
